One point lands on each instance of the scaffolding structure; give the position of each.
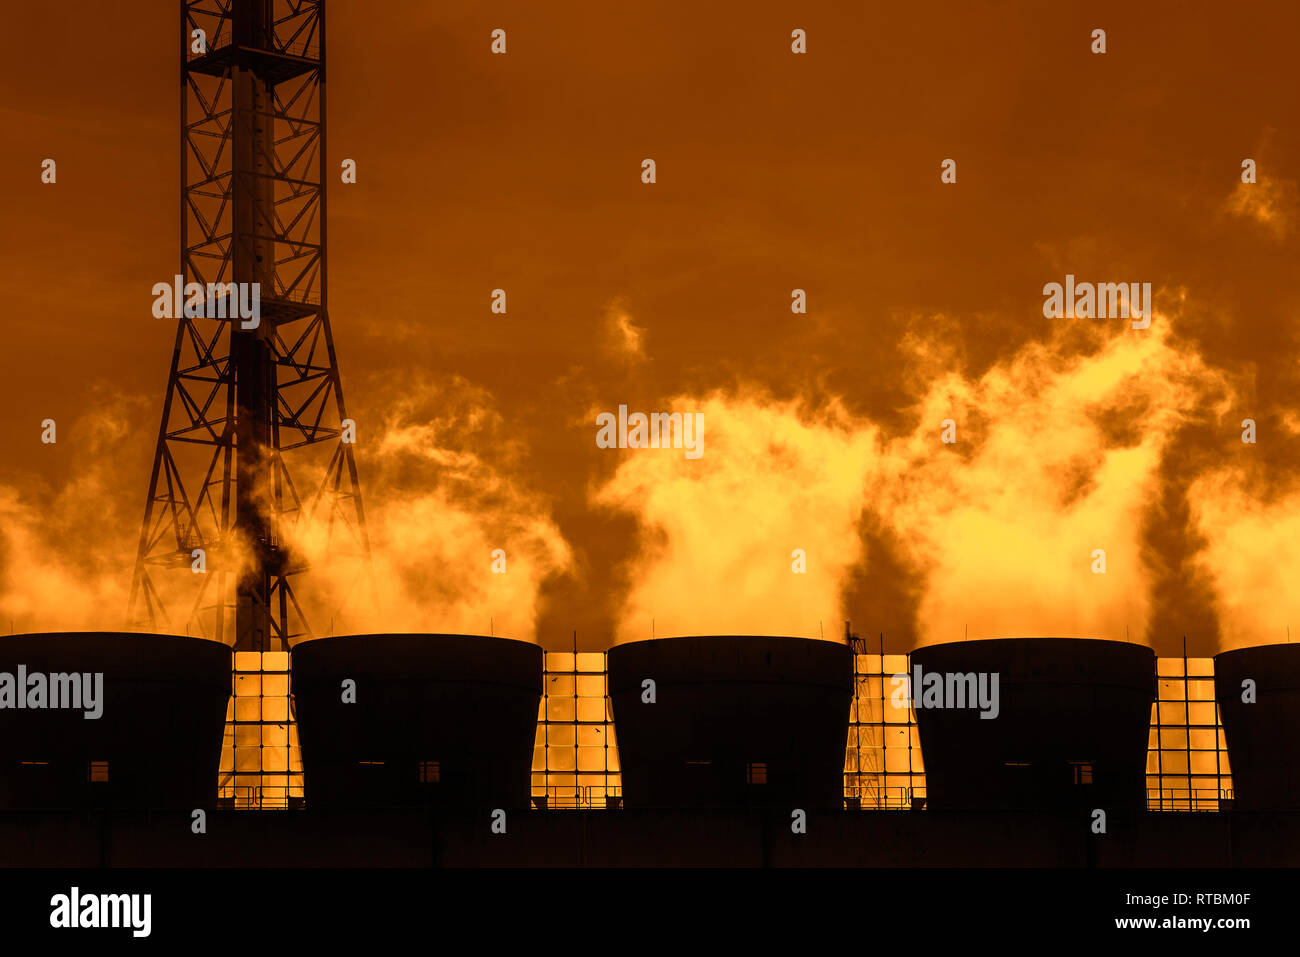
(575, 756)
(883, 765)
(1187, 759)
(261, 759)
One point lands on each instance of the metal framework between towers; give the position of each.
(254, 476)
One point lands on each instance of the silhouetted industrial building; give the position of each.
(156, 742)
(1263, 731)
(1071, 729)
(735, 721)
(427, 719)
(742, 730)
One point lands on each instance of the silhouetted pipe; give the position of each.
(1070, 732)
(426, 719)
(156, 742)
(735, 721)
(252, 354)
(1263, 736)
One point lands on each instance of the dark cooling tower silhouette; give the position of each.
(1071, 730)
(737, 721)
(157, 743)
(1264, 736)
(448, 720)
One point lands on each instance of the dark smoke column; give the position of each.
(252, 444)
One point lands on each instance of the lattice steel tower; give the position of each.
(251, 463)
(254, 480)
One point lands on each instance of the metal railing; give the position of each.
(254, 798)
(579, 798)
(1187, 799)
(867, 798)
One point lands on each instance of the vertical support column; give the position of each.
(253, 151)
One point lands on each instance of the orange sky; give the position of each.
(775, 171)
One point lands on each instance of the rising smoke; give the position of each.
(1096, 439)
(459, 543)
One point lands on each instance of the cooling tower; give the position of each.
(1263, 736)
(156, 742)
(1071, 725)
(406, 720)
(736, 721)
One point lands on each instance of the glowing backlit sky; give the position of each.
(775, 171)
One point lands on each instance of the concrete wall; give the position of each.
(631, 838)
